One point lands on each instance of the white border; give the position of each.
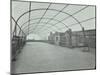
(5, 37)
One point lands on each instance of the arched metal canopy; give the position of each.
(46, 22)
(57, 16)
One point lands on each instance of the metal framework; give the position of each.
(46, 22)
(42, 16)
(18, 26)
(51, 10)
(29, 16)
(25, 28)
(44, 28)
(56, 15)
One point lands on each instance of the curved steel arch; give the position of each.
(39, 25)
(52, 10)
(45, 18)
(16, 24)
(46, 29)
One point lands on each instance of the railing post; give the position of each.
(85, 39)
(70, 37)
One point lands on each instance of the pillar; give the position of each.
(70, 37)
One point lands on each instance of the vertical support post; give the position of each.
(76, 38)
(15, 30)
(84, 36)
(70, 38)
(29, 15)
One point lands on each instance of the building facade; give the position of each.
(74, 39)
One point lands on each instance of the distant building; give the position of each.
(74, 39)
